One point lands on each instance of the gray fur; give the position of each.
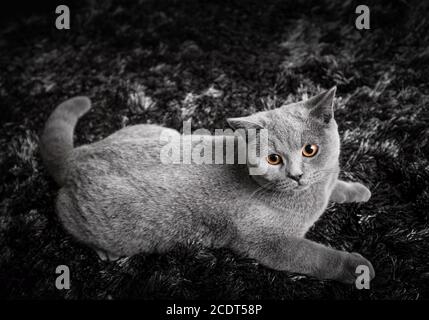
(117, 197)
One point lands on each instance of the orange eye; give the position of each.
(274, 159)
(310, 150)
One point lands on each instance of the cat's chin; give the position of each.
(301, 187)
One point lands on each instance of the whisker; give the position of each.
(261, 188)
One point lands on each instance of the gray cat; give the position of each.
(118, 197)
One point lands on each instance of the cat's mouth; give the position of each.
(285, 185)
(293, 185)
(299, 185)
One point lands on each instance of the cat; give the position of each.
(118, 198)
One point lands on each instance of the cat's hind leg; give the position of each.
(105, 256)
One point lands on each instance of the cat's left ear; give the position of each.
(322, 106)
(254, 121)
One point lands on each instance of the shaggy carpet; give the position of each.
(169, 61)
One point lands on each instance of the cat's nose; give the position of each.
(296, 176)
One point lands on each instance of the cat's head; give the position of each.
(303, 143)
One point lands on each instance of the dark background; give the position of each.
(154, 61)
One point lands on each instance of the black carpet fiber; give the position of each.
(169, 61)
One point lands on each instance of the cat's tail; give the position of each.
(57, 138)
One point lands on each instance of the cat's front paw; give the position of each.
(358, 193)
(351, 263)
